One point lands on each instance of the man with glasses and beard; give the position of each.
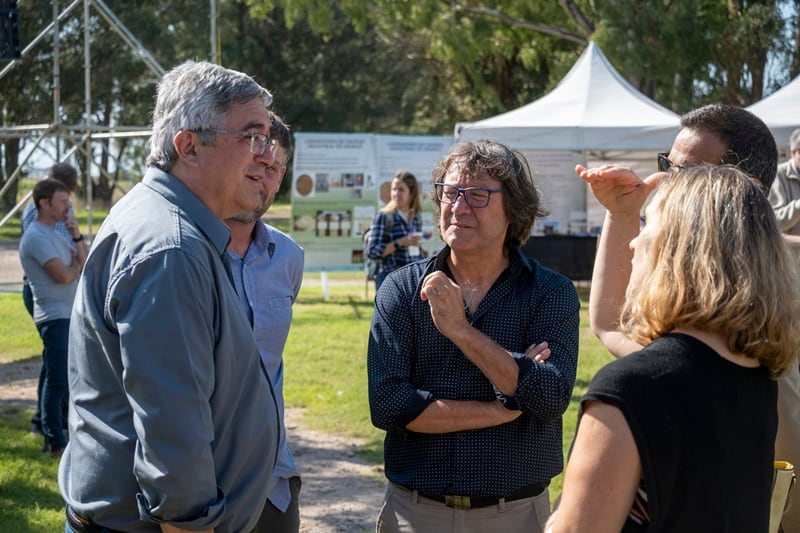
(267, 268)
(472, 417)
(173, 423)
(714, 134)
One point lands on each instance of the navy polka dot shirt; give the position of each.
(410, 364)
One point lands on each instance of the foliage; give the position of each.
(495, 57)
(478, 64)
(29, 497)
(684, 54)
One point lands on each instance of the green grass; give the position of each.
(325, 374)
(29, 498)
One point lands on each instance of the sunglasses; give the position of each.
(664, 164)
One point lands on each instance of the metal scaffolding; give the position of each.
(57, 133)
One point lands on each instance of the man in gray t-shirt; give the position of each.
(68, 175)
(52, 267)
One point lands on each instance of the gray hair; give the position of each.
(194, 96)
(794, 140)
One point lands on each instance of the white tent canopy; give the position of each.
(592, 108)
(780, 111)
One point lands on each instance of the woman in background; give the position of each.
(396, 230)
(679, 436)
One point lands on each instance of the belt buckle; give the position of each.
(457, 502)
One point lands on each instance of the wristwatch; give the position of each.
(79, 238)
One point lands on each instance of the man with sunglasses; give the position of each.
(173, 422)
(713, 134)
(267, 267)
(472, 418)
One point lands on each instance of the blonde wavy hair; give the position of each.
(718, 264)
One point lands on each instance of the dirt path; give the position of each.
(341, 492)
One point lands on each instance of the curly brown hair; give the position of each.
(522, 201)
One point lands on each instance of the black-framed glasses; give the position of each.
(259, 143)
(474, 196)
(664, 164)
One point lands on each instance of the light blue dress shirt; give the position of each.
(268, 279)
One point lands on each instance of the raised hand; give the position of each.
(618, 188)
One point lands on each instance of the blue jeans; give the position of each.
(27, 296)
(55, 337)
(27, 300)
(379, 278)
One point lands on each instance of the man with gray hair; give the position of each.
(173, 422)
(784, 195)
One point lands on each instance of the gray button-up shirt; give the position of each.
(172, 417)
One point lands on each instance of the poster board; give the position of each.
(340, 180)
(563, 192)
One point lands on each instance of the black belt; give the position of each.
(80, 524)
(476, 502)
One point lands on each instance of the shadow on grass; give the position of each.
(29, 497)
(372, 450)
(24, 374)
(20, 369)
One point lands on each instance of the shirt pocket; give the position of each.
(272, 318)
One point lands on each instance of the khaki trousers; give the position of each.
(404, 510)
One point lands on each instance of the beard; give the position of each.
(253, 215)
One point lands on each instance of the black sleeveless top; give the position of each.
(705, 430)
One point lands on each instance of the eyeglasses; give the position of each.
(664, 164)
(275, 167)
(259, 143)
(474, 196)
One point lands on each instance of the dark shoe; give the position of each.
(56, 453)
(36, 429)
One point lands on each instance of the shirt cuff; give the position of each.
(210, 518)
(512, 402)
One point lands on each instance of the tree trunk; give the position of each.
(795, 66)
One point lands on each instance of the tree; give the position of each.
(682, 53)
(483, 60)
(122, 85)
(26, 103)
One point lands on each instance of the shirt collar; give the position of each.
(517, 262)
(179, 194)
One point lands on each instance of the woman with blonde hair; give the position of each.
(396, 230)
(679, 436)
